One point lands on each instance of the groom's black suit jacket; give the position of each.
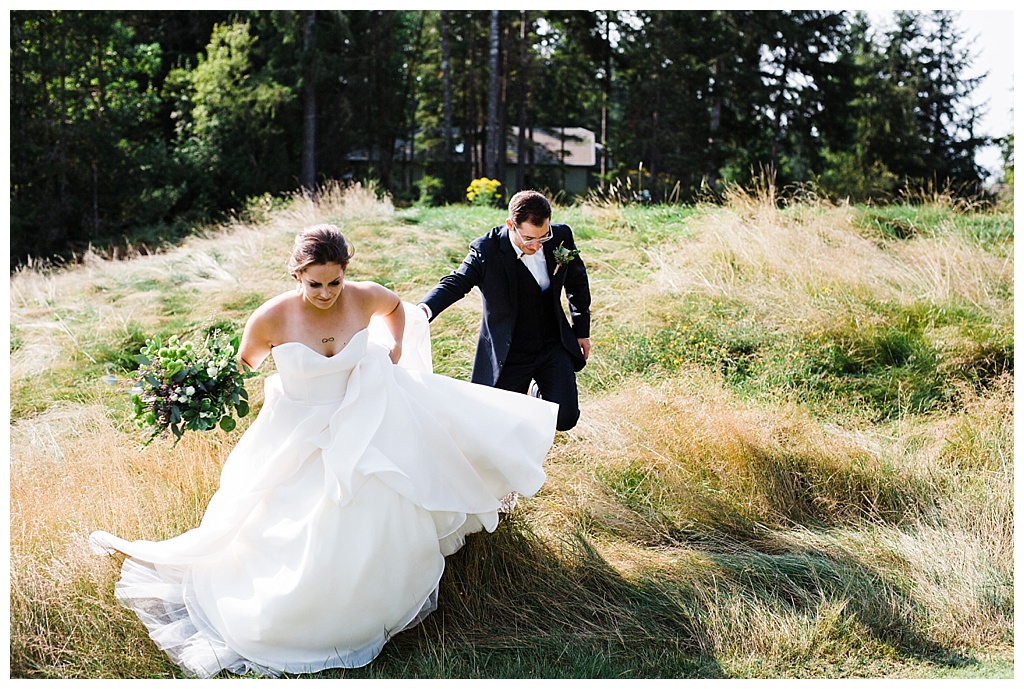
(491, 266)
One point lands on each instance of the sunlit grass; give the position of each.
(794, 460)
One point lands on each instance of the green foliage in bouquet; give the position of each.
(181, 387)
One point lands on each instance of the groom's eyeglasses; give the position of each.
(532, 240)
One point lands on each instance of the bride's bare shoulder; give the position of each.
(367, 291)
(276, 307)
(361, 286)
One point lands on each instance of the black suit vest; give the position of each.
(535, 327)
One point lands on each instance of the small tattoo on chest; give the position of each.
(327, 339)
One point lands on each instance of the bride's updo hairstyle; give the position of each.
(318, 245)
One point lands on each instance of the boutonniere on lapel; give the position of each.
(563, 256)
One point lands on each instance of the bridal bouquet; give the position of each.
(184, 387)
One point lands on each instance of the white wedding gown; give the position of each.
(335, 510)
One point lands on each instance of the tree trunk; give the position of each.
(501, 146)
(309, 108)
(101, 105)
(408, 96)
(561, 144)
(446, 81)
(521, 143)
(606, 97)
(493, 96)
(472, 120)
(711, 170)
(384, 135)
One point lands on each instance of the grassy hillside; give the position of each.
(795, 457)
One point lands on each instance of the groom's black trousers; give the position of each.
(552, 368)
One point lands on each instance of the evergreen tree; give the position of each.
(465, 72)
(798, 51)
(228, 138)
(950, 129)
(851, 166)
(309, 114)
(132, 121)
(573, 84)
(86, 153)
(494, 101)
(905, 112)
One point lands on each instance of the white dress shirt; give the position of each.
(536, 264)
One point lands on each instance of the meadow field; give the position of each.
(795, 458)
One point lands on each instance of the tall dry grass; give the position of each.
(79, 465)
(73, 470)
(806, 266)
(698, 522)
(686, 480)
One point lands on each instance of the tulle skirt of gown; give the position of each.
(328, 532)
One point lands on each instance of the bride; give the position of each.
(335, 510)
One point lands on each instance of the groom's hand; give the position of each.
(585, 346)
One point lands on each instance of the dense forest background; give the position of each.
(134, 126)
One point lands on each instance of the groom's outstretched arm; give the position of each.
(456, 284)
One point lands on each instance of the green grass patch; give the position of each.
(244, 304)
(179, 302)
(460, 222)
(902, 222)
(787, 466)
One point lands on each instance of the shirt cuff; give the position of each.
(430, 314)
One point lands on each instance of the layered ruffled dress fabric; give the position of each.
(328, 532)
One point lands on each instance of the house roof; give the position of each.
(575, 146)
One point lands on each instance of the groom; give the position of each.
(521, 268)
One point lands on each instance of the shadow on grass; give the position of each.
(802, 580)
(511, 606)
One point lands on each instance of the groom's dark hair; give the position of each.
(529, 206)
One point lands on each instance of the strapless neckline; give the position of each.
(320, 354)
